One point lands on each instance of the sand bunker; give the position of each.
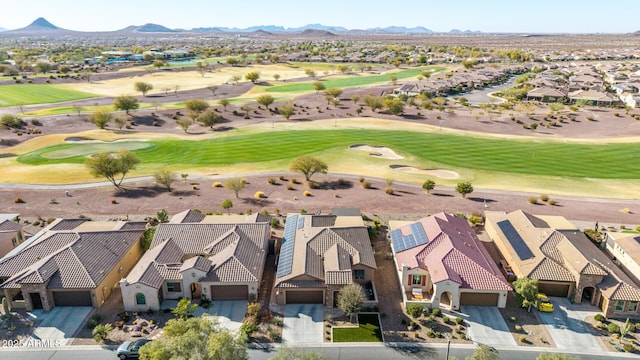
(442, 174)
(378, 151)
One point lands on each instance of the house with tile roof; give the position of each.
(71, 262)
(207, 259)
(320, 254)
(563, 259)
(441, 263)
(11, 233)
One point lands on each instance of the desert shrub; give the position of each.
(360, 179)
(551, 202)
(290, 187)
(18, 200)
(275, 222)
(436, 312)
(518, 328)
(512, 318)
(522, 338)
(389, 191)
(599, 317)
(217, 184)
(258, 195)
(101, 332)
(544, 197)
(628, 348)
(613, 328)
(248, 328)
(277, 321)
(306, 193)
(281, 177)
(366, 184)
(459, 320)
(253, 309)
(271, 181)
(294, 181)
(445, 319)
(415, 310)
(532, 200)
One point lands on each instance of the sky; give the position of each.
(539, 16)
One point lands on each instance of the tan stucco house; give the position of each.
(320, 254)
(208, 259)
(563, 259)
(72, 262)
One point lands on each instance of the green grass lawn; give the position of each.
(12, 95)
(367, 331)
(550, 158)
(354, 80)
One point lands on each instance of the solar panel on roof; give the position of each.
(300, 222)
(418, 233)
(285, 260)
(518, 244)
(416, 238)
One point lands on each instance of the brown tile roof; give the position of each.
(323, 220)
(67, 224)
(299, 284)
(226, 252)
(134, 225)
(9, 225)
(550, 270)
(187, 216)
(82, 263)
(40, 248)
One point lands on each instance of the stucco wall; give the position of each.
(128, 261)
(129, 292)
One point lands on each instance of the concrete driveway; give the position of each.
(567, 327)
(59, 324)
(229, 313)
(302, 324)
(486, 326)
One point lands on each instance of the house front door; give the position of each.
(36, 301)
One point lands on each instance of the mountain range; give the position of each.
(41, 27)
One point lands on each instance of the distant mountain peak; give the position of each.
(149, 27)
(42, 23)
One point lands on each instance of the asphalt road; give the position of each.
(343, 352)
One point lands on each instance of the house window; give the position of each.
(416, 280)
(358, 274)
(174, 287)
(619, 305)
(140, 299)
(633, 306)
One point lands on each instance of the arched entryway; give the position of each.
(587, 294)
(445, 299)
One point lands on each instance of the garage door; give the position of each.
(72, 298)
(554, 289)
(229, 292)
(483, 299)
(305, 297)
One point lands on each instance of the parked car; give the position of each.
(130, 349)
(544, 304)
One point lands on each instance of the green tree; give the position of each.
(224, 103)
(159, 64)
(334, 92)
(165, 177)
(196, 105)
(464, 189)
(318, 86)
(126, 103)
(393, 79)
(202, 67)
(101, 332)
(355, 99)
(253, 76)
(308, 165)
(276, 77)
(624, 330)
(143, 87)
(184, 338)
(310, 73)
(162, 216)
(373, 102)
(232, 61)
(555, 356)
(429, 185)
(227, 205)
(351, 299)
(234, 184)
(43, 67)
(286, 110)
(235, 79)
(11, 121)
(395, 106)
(415, 310)
(287, 353)
(113, 167)
(100, 119)
(209, 118)
(527, 290)
(147, 237)
(78, 108)
(184, 309)
(265, 100)
(184, 124)
(484, 352)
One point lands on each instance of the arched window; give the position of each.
(140, 299)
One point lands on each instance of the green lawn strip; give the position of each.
(85, 109)
(12, 95)
(546, 158)
(368, 330)
(353, 80)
